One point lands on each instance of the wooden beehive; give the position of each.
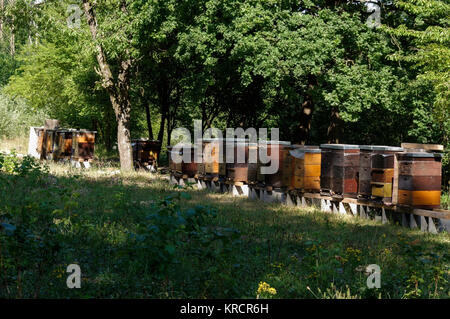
(252, 163)
(145, 152)
(175, 161)
(189, 164)
(305, 168)
(340, 169)
(227, 146)
(419, 179)
(46, 144)
(63, 144)
(83, 145)
(237, 165)
(260, 177)
(277, 151)
(376, 171)
(211, 156)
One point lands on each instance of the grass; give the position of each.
(300, 253)
(20, 144)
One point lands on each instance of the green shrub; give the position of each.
(16, 116)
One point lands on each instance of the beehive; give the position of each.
(189, 164)
(238, 164)
(172, 166)
(228, 147)
(376, 171)
(252, 163)
(145, 152)
(83, 145)
(63, 144)
(277, 151)
(211, 156)
(339, 169)
(175, 158)
(46, 143)
(419, 179)
(305, 168)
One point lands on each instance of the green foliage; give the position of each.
(16, 116)
(422, 35)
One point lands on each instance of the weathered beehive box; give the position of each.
(376, 171)
(211, 156)
(305, 168)
(253, 163)
(175, 162)
(238, 164)
(145, 152)
(83, 146)
(277, 151)
(46, 143)
(189, 164)
(227, 146)
(63, 144)
(339, 169)
(419, 179)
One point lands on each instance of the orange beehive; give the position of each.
(419, 179)
(305, 168)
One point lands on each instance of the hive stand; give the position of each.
(236, 189)
(80, 164)
(270, 195)
(183, 180)
(432, 221)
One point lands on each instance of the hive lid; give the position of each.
(340, 146)
(212, 139)
(275, 142)
(421, 155)
(381, 148)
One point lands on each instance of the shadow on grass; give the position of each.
(297, 251)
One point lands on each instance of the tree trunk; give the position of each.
(303, 130)
(12, 39)
(163, 96)
(149, 121)
(335, 127)
(161, 128)
(118, 91)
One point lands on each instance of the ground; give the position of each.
(135, 236)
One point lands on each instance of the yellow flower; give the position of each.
(265, 287)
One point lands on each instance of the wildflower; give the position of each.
(264, 287)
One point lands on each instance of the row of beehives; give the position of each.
(410, 177)
(62, 144)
